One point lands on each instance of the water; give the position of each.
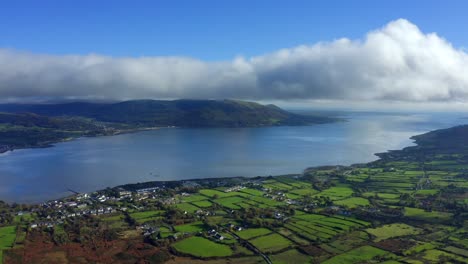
(87, 164)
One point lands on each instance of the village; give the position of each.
(381, 210)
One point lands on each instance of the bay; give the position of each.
(87, 164)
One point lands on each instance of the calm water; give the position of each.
(86, 164)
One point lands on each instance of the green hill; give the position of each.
(181, 113)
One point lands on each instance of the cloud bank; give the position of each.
(396, 63)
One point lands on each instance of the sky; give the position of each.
(328, 52)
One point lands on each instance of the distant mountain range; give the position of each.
(40, 125)
(180, 113)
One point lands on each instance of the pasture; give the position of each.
(358, 255)
(202, 247)
(253, 232)
(271, 243)
(392, 230)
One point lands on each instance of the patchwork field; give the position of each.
(253, 232)
(271, 243)
(392, 230)
(7, 238)
(202, 247)
(407, 207)
(290, 256)
(142, 217)
(358, 255)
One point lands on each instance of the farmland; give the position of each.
(393, 230)
(271, 243)
(253, 232)
(201, 247)
(400, 208)
(358, 255)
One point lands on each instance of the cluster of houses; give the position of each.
(61, 215)
(214, 234)
(278, 196)
(234, 189)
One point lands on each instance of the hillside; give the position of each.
(181, 113)
(25, 130)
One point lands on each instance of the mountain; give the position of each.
(443, 142)
(24, 130)
(181, 113)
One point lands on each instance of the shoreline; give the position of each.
(377, 158)
(51, 144)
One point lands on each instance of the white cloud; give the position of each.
(397, 62)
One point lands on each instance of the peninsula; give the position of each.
(40, 125)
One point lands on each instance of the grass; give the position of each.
(187, 207)
(194, 198)
(253, 232)
(337, 193)
(271, 243)
(190, 228)
(303, 192)
(458, 251)
(314, 227)
(202, 204)
(113, 218)
(214, 193)
(418, 248)
(147, 216)
(7, 239)
(252, 192)
(434, 255)
(392, 230)
(420, 214)
(22, 218)
(7, 236)
(290, 256)
(357, 255)
(202, 247)
(230, 202)
(353, 202)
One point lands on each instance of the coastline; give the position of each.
(302, 168)
(49, 144)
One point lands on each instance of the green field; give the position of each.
(353, 202)
(303, 192)
(202, 204)
(147, 216)
(187, 207)
(230, 202)
(358, 255)
(393, 230)
(190, 228)
(271, 243)
(434, 255)
(290, 256)
(420, 214)
(253, 232)
(252, 192)
(202, 247)
(337, 193)
(214, 193)
(194, 198)
(7, 238)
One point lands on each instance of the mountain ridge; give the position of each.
(181, 113)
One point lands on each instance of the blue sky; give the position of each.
(317, 52)
(210, 30)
